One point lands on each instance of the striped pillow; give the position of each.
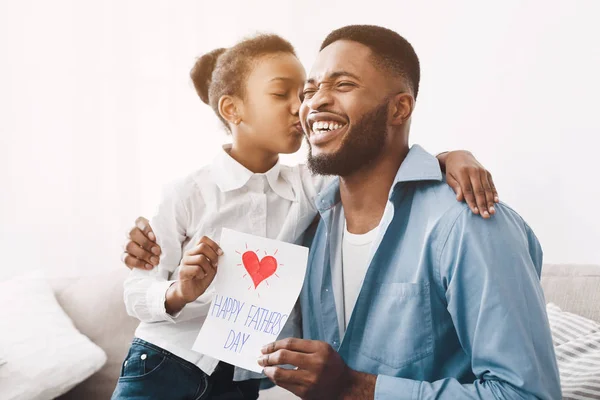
(577, 345)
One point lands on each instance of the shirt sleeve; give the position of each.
(489, 274)
(145, 291)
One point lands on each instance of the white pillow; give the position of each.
(577, 347)
(45, 354)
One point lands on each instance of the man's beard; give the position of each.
(362, 144)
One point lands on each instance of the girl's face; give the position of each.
(270, 120)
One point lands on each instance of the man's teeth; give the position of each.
(326, 126)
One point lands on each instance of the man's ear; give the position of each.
(403, 105)
(230, 109)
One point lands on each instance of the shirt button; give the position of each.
(335, 343)
(143, 356)
(327, 290)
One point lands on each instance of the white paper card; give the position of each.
(257, 284)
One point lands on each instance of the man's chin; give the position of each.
(328, 149)
(327, 163)
(320, 153)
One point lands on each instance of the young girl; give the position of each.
(254, 89)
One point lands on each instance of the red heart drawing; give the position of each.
(259, 270)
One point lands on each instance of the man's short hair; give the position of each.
(390, 49)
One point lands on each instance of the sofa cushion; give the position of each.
(574, 288)
(95, 304)
(45, 355)
(577, 345)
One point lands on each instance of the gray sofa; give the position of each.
(95, 304)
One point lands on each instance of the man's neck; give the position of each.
(364, 194)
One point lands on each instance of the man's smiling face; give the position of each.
(344, 111)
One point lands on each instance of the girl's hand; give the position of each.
(197, 270)
(470, 181)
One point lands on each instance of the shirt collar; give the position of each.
(228, 175)
(418, 165)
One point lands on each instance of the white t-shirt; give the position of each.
(355, 255)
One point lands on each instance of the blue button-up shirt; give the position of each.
(451, 306)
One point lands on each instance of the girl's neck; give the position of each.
(256, 160)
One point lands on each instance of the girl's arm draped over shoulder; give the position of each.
(469, 179)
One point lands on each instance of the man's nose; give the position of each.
(322, 98)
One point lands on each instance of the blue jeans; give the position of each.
(150, 372)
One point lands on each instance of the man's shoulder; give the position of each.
(437, 200)
(445, 212)
(453, 231)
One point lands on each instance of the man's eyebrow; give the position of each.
(335, 75)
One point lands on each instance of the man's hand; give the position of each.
(470, 181)
(320, 371)
(141, 251)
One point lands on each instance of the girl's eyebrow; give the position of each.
(281, 78)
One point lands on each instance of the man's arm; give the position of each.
(489, 275)
(141, 250)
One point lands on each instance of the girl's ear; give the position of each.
(230, 109)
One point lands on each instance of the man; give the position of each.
(445, 305)
(417, 297)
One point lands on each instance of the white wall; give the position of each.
(97, 111)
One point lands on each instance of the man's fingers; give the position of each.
(283, 357)
(294, 344)
(132, 262)
(136, 251)
(144, 225)
(294, 380)
(212, 244)
(137, 236)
